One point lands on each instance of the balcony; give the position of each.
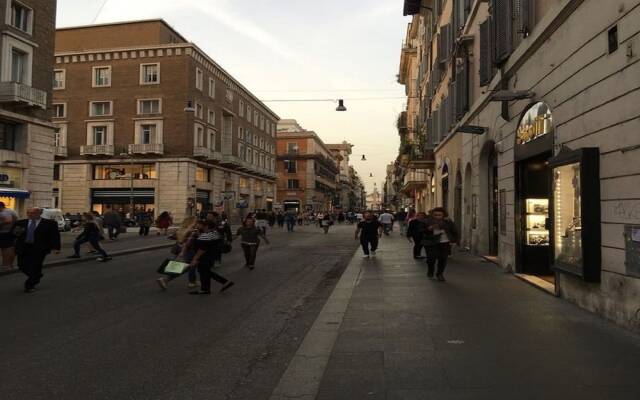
(231, 160)
(201, 152)
(97, 150)
(146, 148)
(60, 151)
(13, 92)
(214, 155)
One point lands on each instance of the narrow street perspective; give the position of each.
(277, 200)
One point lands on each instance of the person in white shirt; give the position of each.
(8, 218)
(386, 219)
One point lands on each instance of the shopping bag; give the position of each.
(172, 267)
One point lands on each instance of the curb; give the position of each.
(61, 263)
(303, 376)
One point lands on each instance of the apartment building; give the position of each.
(147, 120)
(306, 169)
(345, 198)
(531, 110)
(26, 134)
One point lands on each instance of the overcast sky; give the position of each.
(294, 49)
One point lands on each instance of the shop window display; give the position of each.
(537, 212)
(567, 211)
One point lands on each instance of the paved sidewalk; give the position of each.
(481, 335)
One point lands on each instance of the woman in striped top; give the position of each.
(207, 246)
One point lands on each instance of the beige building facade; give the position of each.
(26, 134)
(149, 121)
(540, 134)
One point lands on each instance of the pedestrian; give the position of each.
(326, 223)
(224, 229)
(271, 218)
(440, 233)
(261, 220)
(401, 217)
(144, 220)
(249, 235)
(290, 219)
(36, 237)
(164, 222)
(415, 234)
(369, 231)
(207, 246)
(186, 235)
(8, 219)
(113, 222)
(90, 234)
(280, 219)
(386, 219)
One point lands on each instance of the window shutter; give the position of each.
(486, 64)
(467, 8)
(501, 12)
(524, 9)
(462, 89)
(430, 132)
(436, 126)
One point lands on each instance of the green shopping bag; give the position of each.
(173, 267)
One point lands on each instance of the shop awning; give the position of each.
(13, 192)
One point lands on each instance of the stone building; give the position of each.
(345, 198)
(306, 169)
(147, 120)
(531, 108)
(26, 133)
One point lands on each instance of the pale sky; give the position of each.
(294, 49)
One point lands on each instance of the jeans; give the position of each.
(144, 230)
(417, 246)
(290, 225)
(95, 243)
(114, 231)
(250, 253)
(437, 254)
(369, 241)
(403, 227)
(386, 228)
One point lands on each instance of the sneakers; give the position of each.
(373, 254)
(365, 256)
(162, 282)
(226, 286)
(74, 256)
(192, 285)
(103, 259)
(440, 277)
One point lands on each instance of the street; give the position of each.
(105, 331)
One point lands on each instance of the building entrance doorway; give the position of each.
(445, 187)
(494, 235)
(457, 200)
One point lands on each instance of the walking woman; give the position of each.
(440, 233)
(415, 234)
(326, 223)
(90, 234)
(186, 237)
(207, 246)
(250, 235)
(164, 222)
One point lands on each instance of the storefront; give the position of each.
(203, 201)
(533, 149)
(291, 205)
(10, 193)
(121, 199)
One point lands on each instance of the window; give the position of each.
(212, 139)
(149, 74)
(149, 106)
(261, 122)
(100, 108)
(292, 148)
(247, 134)
(19, 66)
(101, 76)
(148, 134)
(8, 136)
(212, 88)
(60, 135)
(199, 136)
(241, 109)
(249, 158)
(203, 174)
(241, 153)
(211, 117)
(293, 184)
(59, 77)
(21, 17)
(199, 111)
(290, 166)
(124, 171)
(56, 172)
(248, 113)
(199, 79)
(241, 133)
(99, 135)
(255, 118)
(59, 110)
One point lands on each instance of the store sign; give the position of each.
(535, 123)
(10, 177)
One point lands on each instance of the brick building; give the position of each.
(306, 169)
(26, 134)
(147, 119)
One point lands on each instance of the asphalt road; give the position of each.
(105, 331)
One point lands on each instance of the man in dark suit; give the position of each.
(36, 237)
